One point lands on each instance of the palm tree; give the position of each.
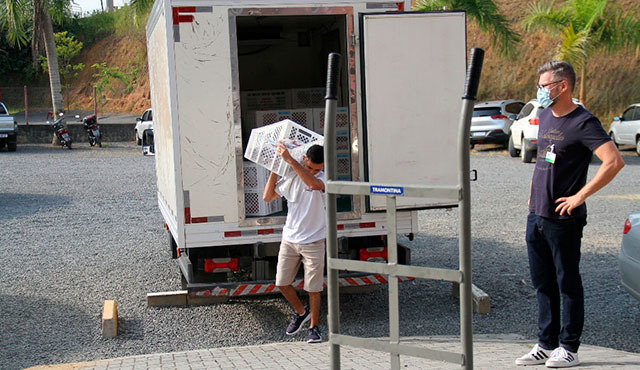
(584, 27)
(488, 17)
(17, 16)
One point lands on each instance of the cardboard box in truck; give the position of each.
(215, 66)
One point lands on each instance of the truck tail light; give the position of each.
(534, 121)
(220, 265)
(499, 116)
(377, 254)
(627, 226)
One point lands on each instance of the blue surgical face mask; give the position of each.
(544, 97)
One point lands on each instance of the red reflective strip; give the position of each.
(198, 220)
(270, 288)
(340, 227)
(206, 293)
(178, 18)
(380, 279)
(366, 280)
(351, 281)
(364, 225)
(255, 289)
(223, 291)
(266, 231)
(187, 215)
(229, 234)
(239, 290)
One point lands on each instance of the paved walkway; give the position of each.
(492, 352)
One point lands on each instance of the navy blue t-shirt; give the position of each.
(572, 138)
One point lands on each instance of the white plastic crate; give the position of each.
(342, 120)
(308, 98)
(261, 148)
(303, 117)
(265, 100)
(255, 176)
(254, 205)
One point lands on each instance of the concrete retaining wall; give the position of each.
(42, 133)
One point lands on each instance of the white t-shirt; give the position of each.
(306, 215)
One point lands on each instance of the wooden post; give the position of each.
(95, 104)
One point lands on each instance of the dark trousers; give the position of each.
(554, 258)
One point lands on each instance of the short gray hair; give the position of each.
(560, 69)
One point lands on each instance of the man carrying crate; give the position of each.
(303, 235)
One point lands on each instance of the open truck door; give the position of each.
(411, 100)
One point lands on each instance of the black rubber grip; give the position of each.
(473, 74)
(333, 75)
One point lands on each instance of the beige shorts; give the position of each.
(310, 255)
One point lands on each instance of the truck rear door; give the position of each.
(413, 69)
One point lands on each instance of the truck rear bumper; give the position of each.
(268, 287)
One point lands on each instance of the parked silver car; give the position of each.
(629, 257)
(625, 129)
(491, 121)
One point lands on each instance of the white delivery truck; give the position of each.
(221, 68)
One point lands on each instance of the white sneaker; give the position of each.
(560, 357)
(536, 356)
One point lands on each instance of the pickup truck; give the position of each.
(8, 129)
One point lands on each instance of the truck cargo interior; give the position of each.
(282, 63)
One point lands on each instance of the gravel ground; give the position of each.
(82, 226)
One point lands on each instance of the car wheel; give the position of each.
(138, 139)
(513, 152)
(526, 154)
(613, 138)
(638, 145)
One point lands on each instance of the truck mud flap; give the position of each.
(268, 287)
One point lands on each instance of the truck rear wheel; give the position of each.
(12, 145)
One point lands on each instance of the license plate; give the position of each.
(478, 133)
(4, 135)
(65, 136)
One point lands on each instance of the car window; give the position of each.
(486, 112)
(636, 115)
(526, 110)
(150, 118)
(628, 114)
(145, 116)
(2, 110)
(513, 108)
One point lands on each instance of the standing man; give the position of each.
(567, 136)
(303, 235)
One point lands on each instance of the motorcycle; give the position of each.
(93, 131)
(61, 131)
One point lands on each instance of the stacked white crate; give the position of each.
(252, 101)
(261, 147)
(310, 97)
(343, 144)
(303, 117)
(255, 179)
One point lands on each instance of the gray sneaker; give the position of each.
(298, 320)
(314, 335)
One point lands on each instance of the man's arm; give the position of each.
(270, 189)
(311, 181)
(612, 163)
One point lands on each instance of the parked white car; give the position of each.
(524, 131)
(491, 121)
(625, 129)
(144, 122)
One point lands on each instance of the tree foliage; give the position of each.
(68, 49)
(584, 27)
(486, 15)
